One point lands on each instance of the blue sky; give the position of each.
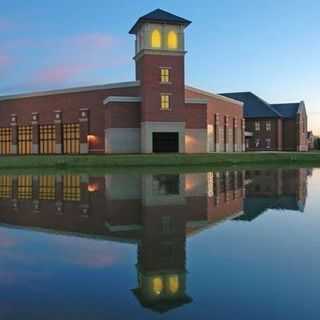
(269, 47)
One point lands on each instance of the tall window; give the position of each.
(25, 139)
(165, 75)
(165, 102)
(47, 139)
(172, 40)
(268, 125)
(257, 143)
(5, 140)
(71, 138)
(257, 125)
(156, 39)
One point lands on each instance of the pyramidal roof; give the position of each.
(159, 16)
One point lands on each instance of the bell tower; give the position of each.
(159, 58)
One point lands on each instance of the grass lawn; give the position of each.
(159, 160)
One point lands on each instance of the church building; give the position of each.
(157, 112)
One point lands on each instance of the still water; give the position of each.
(214, 245)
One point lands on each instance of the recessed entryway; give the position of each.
(165, 142)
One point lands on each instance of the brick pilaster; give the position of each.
(35, 133)
(217, 132)
(84, 130)
(279, 134)
(58, 125)
(14, 132)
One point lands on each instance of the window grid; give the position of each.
(5, 187)
(5, 140)
(71, 138)
(47, 139)
(268, 126)
(257, 126)
(47, 187)
(25, 139)
(71, 188)
(165, 77)
(165, 102)
(24, 187)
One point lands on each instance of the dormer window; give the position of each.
(172, 40)
(156, 39)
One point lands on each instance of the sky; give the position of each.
(269, 47)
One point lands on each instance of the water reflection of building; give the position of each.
(284, 189)
(157, 212)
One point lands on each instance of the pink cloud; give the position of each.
(4, 60)
(90, 41)
(59, 73)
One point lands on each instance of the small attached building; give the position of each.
(281, 127)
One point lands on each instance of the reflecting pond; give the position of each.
(240, 244)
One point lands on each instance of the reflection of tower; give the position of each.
(161, 250)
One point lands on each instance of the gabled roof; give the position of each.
(254, 107)
(287, 110)
(159, 16)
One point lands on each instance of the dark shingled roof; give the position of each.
(287, 110)
(159, 16)
(255, 107)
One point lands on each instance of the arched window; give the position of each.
(156, 39)
(172, 40)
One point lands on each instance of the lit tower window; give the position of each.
(165, 102)
(156, 39)
(172, 40)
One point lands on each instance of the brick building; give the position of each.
(155, 113)
(273, 126)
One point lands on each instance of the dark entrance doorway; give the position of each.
(165, 142)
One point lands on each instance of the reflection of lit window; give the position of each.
(157, 285)
(25, 187)
(172, 40)
(164, 75)
(71, 188)
(173, 284)
(156, 39)
(47, 188)
(5, 187)
(165, 102)
(257, 125)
